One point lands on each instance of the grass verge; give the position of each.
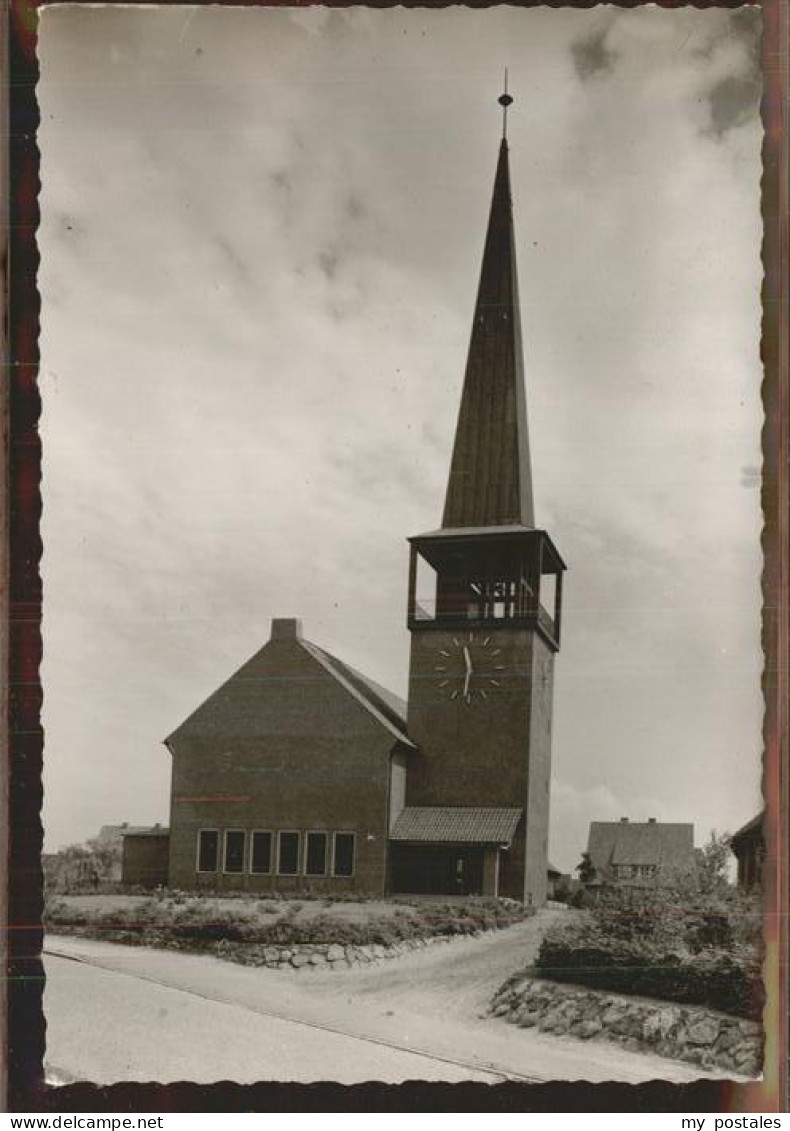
(199, 922)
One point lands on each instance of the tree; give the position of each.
(713, 863)
(586, 869)
(106, 858)
(83, 867)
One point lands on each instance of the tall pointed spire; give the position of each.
(490, 476)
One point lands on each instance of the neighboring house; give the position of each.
(554, 876)
(639, 853)
(301, 773)
(111, 838)
(112, 835)
(748, 845)
(145, 856)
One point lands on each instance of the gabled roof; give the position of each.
(421, 825)
(490, 480)
(753, 828)
(269, 693)
(657, 843)
(384, 705)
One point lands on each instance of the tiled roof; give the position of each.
(656, 843)
(387, 707)
(456, 826)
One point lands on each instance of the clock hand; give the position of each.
(467, 660)
(466, 684)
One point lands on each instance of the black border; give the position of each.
(25, 1033)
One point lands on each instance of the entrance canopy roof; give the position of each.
(435, 825)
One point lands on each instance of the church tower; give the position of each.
(484, 611)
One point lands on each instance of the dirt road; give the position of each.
(116, 1012)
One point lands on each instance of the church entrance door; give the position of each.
(428, 869)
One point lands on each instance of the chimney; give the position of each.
(286, 628)
(623, 820)
(651, 820)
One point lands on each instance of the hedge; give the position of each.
(729, 981)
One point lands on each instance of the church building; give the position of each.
(302, 774)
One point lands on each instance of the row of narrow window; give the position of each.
(285, 853)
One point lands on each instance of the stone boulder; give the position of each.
(702, 1031)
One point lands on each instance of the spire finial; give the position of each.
(504, 101)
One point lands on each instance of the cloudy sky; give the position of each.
(261, 234)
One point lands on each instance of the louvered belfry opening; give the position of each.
(464, 579)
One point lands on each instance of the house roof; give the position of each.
(115, 832)
(659, 843)
(384, 705)
(160, 831)
(268, 693)
(455, 825)
(755, 826)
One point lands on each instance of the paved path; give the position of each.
(104, 1026)
(130, 1013)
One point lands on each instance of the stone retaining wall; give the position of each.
(304, 956)
(682, 1032)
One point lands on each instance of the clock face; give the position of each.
(469, 668)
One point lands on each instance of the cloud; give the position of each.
(733, 101)
(591, 55)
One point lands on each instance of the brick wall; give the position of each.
(145, 860)
(282, 747)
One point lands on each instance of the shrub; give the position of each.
(729, 982)
(202, 922)
(694, 920)
(54, 908)
(703, 950)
